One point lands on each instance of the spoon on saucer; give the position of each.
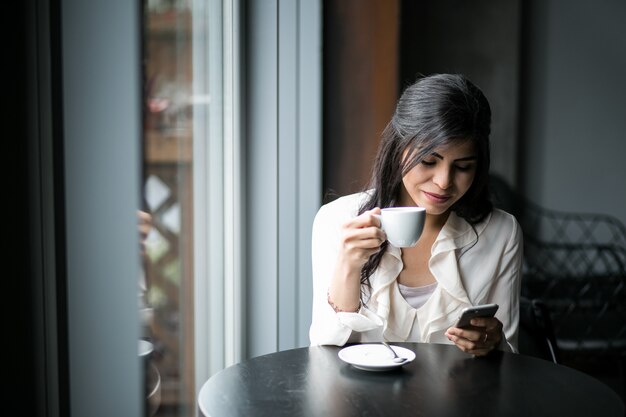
(396, 358)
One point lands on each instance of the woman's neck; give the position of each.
(434, 222)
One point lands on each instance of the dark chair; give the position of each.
(585, 289)
(575, 264)
(536, 334)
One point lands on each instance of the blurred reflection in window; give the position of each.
(166, 296)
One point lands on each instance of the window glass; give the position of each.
(167, 284)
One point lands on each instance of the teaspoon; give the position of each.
(396, 358)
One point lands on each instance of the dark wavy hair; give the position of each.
(436, 111)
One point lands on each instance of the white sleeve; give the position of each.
(507, 288)
(328, 327)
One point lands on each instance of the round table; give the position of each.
(441, 381)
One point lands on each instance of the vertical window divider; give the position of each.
(234, 185)
(218, 188)
(208, 189)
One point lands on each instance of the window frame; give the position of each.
(88, 250)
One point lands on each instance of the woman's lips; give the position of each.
(437, 198)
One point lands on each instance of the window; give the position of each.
(189, 188)
(226, 220)
(231, 198)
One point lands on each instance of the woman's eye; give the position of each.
(464, 167)
(428, 163)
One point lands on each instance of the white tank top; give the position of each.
(417, 296)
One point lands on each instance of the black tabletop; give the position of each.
(441, 381)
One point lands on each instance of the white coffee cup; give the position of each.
(402, 225)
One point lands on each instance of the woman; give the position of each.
(434, 153)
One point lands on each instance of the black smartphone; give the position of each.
(485, 310)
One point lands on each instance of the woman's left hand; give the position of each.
(480, 338)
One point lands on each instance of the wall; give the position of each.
(373, 49)
(360, 88)
(574, 121)
(479, 39)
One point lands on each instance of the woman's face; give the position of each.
(441, 178)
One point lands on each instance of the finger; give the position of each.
(472, 348)
(145, 223)
(359, 250)
(364, 237)
(481, 321)
(470, 341)
(488, 323)
(366, 219)
(374, 216)
(469, 333)
(463, 343)
(144, 216)
(352, 248)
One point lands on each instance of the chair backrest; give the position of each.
(557, 227)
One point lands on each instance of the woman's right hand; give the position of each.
(361, 237)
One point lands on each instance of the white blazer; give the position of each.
(468, 272)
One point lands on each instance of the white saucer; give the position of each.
(374, 356)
